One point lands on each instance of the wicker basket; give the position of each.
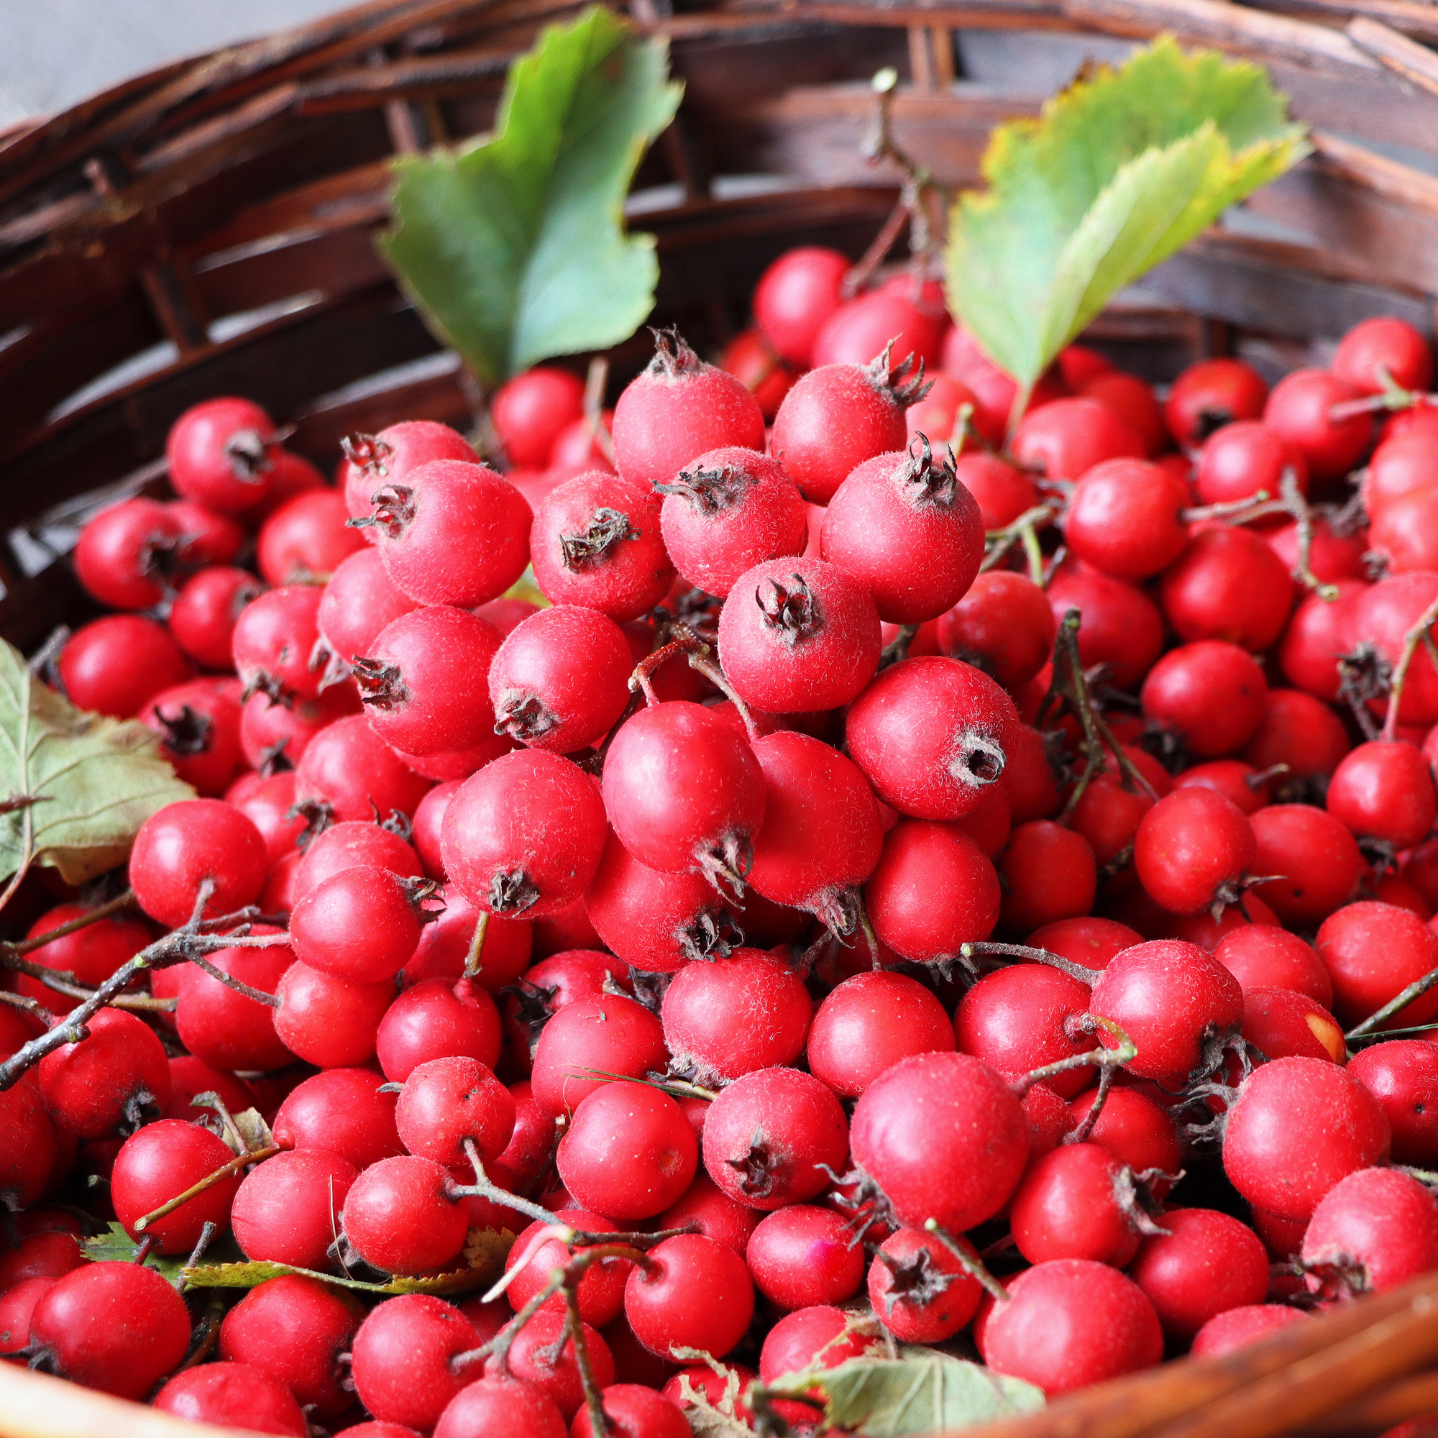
(207, 228)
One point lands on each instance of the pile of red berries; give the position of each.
(900, 851)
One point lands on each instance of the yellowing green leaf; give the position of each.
(93, 781)
(484, 1254)
(921, 1391)
(1121, 170)
(515, 249)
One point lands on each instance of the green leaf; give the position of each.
(515, 249)
(921, 1391)
(93, 780)
(484, 1254)
(116, 1246)
(1121, 170)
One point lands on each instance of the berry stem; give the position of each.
(1399, 1002)
(62, 931)
(474, 959)
(593, 1400)
(1025, 528)
(971, 1265)
(1102, 1056)
(270, 1001)
(1420, 633)
(699, 659)
(1105, 1083)
(239, 1161)
(1037, 956)
(30, 1006)
(897, 649)
(483, 1187)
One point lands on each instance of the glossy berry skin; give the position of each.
(1069, 1323)
(811, 1336)
(359, 925)
(1003, 625)
(105, 1085)
(904, 527)
(1315, 853)
(1133, 1128)
(524, 835)
(273, 644)
(767, 1134)
(629, 1151)
(29, 1144)
(609, 1034)
(1298, 1126)
(438, 1018)
(697, 1295)
(1193, 849)
(1086, 941)
(220, 453)
(1373, 951)
(1228, 584)
(306, 539)
(680, 407)
(732, 1016)
(728, 510)
(802, 1255)
(113, 665)
(1384, 790)
(1001, 491)
(868, 1023)
(340, 1110)
(287, 1209)
(1265, 956)
(1383, 344)
(654, 920)
(424, 681)
(450, 1102)
(1210, 396)
(1298, 730)
(794, 297)
(560, 678)
(1050, 874)
(187, 843)
(1299, 409)
(821, 834)
(529, 410)
(798, 635)
(452, 533)
(294, 1329)
(1068, 437)
(944, 1137)
(596, 541)
(1209, 694)
(932, 891)
(92, 954)
(499, 1405)
(543, 1357)
(358, 603)
(1077, 1201)
(893, 314)
(329, 1021)
(1121, 626)
(402, 1353)
(115, 1327)
(1124, 519)
(601, 1289)
(1382, 615)
(1372, 1231)
(1170, 998)
(634, 1411)
(930, 735)
(1023, 1017)
(351, 844)
(835, 418)
(160, 1161)
(118, 556)
(400, 1218)
(1205, 1263)
(684, 791)
(232, 1393)
(1238, 1327)
(1402, 1074)
(1243, 458)
(919, 1290)
(351, 772)
(204, 613)
(1400, 466)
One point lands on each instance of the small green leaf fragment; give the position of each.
(92, 781)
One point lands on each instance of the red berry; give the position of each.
(400, 1217)
(117, 1327)
(1204, 1264)
(543, 1357)
(1373, 951)
(1209, 695)
(329, 1021)
(608, 1034)
(1050, 874)
(1067, 437)
(116, 664)
(1003, 625)
(1022, 1018)
(205, 611)
(1069, 1323)
(1373, 1230)
(693, 1293)
(1121, 626)
(1300, 410)
(232, 1393)
(1133, 1128)
(601, 1289)
(359, 925)
(529, 410)
(402, 1351)
(1124, 518)
(499, 1405)
(1402, 1074)
(887, 315)
(1384, 790)
(1228, 584)
(919, 1290)
(1210, 395)
(1238, 1327)
(1379, 347)
(794, 297)
(803, 1255)
(1316, 855)
(1266, 956)
(1077, 1201)
(222, 453)
(867, 1024)
(341, 1110)
(124, 551)
(287, 1209)
(438, 1018)
(106, 1084)
(1193, 850)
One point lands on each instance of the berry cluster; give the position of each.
(910, 882)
